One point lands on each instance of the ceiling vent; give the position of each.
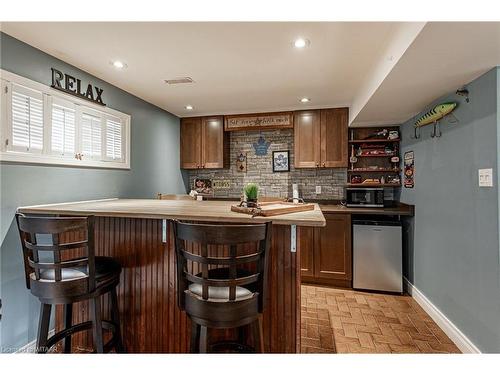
(176, 81)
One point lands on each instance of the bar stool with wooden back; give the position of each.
(221, 281)
(56, 278)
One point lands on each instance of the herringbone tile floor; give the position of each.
(347, 321)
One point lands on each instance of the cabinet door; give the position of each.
(332, 254)
(307, 139)
(305, 244)
(191, 143)
(212, 142)
(334, 137)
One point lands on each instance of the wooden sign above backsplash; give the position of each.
(259, 121)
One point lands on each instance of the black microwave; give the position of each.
(364, 197)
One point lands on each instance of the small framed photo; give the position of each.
(203, 186)
(281, 161)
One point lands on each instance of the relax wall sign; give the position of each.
(71, 85)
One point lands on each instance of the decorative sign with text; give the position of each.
(409, 169)
(259, 121)
(73, 86)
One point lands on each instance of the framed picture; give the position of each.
(203, 186)
(281, 161)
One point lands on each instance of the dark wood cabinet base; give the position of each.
(346, 284)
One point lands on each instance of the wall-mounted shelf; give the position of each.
(374, 167)
(377, 156)
(381, 170)
(373, 185)
(374, 141)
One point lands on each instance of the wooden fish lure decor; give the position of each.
(435, 114)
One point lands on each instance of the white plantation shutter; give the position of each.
(27, 119)
(63, 131)
(114, 139)
(91, 136)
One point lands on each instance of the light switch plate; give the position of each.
(486, 177)
(318, 189)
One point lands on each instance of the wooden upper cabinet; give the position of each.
(204, 144)
(191, 143)
(333, 254)
(334, 137)
(212, 142)
(321, 138)
(307, 139)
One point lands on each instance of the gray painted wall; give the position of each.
(455, 258)
(154, 168)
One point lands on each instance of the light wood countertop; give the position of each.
(213, 211)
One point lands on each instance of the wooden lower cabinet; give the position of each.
(326, 253)
(306, 246)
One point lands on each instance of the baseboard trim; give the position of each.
(458, 337)
(30, 348)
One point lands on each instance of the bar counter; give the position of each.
(137, 232)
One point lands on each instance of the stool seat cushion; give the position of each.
(105, 267)
(220, 293)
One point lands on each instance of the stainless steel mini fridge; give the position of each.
(377, 255)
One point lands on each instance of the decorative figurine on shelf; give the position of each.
(395, 162)
(353, 159)
(393, 179)
(251, 195)
(378, 134)
(356, 179)
(393, 135)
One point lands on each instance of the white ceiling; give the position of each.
(237, 67)
(252, 67)
(442, 58)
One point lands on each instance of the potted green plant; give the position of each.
(251, 193)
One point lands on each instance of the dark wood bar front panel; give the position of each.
(151, 320)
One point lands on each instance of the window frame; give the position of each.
(47, 157)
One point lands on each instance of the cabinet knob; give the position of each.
(317, 165)
(324, 165)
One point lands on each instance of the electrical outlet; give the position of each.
(486, 177)
(318, 189)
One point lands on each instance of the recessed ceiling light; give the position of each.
(305, 100)
(119, 64)
(301, 43)
(189, 107)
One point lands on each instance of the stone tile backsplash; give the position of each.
(260, 170)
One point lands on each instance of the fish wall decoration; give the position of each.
(435, 114)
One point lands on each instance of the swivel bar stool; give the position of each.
(55, 277)
(221, 281)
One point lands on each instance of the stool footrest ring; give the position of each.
(58, 336)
